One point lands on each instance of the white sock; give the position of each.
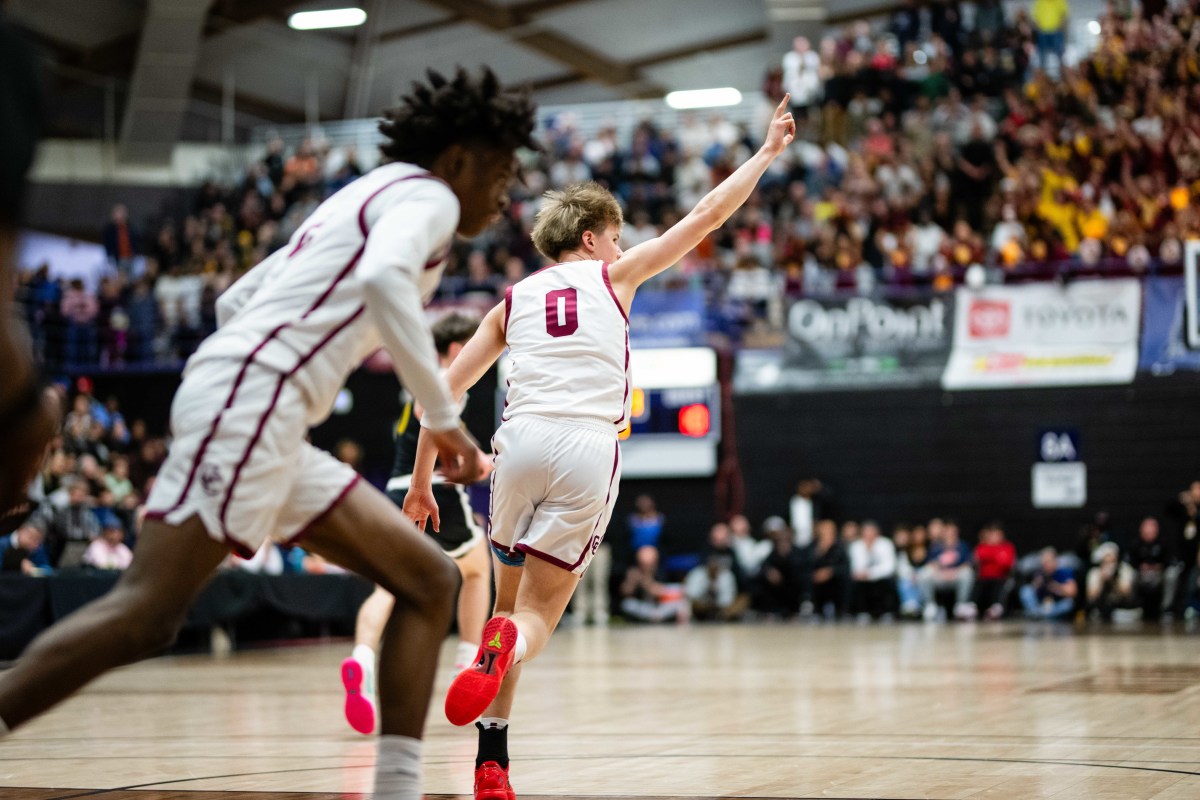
(364, 655)
(494, 723)
(519, 650)
(398, 768)
(464, 656)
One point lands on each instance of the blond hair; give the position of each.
(564, 216)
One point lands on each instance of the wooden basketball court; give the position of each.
(780, 711)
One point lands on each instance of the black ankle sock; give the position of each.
(493, 746)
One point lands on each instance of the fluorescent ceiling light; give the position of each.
(704, 98)
(332, 18)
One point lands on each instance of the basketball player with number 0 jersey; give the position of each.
(557, 456)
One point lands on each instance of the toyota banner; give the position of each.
(1045, 335)
(854, 343)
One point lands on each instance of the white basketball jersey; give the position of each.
(568, 339)
(305, 317)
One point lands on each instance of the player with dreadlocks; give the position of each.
(350, 280)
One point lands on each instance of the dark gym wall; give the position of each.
(910, 455)
(888, 455)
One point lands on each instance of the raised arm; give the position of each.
(640, 263)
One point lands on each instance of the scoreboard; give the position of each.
(675, 419)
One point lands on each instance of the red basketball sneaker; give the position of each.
(477, 686)
(491, 783)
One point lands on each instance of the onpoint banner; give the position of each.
(855, 343)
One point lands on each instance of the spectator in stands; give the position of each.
(120, 239)
(645, 523)
(807, 504)
(751, 552)
(906, 24)
(1185, 517)
(720, 545)
(481, 283)
(780, 584)
(1151, 560)
(23, 551)
(995, 558)
(1052, 591)
(873, 569)
(802, 79)
(644, 598)
(73, 523)
(830, 589)
(1110, 583)
(1050, 19)
(117, 480)
(912, 553)
(571, 169)
(108, 551)
(949, 568)
(80, 310)
(712, 590)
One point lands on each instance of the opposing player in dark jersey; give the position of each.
(456, 532)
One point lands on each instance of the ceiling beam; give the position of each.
(160, 87)
(555, 81)
(663, 57)
(117, 56)
(699, 48)
(417, 30)
(532, 8)
(269, 110)
(832, 18)
(226, 14)
(520, 27)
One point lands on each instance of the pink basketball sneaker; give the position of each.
(360, 701)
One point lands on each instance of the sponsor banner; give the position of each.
(1164, 329)
(856, 343)
(667, 319)
(1045, 335)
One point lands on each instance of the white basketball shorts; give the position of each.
(238, 459)
(553, 489)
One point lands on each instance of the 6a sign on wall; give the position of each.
(1059, 478)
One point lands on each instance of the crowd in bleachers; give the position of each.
(951, 136)
(940, 144)
(89, 496)
(812, 568)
